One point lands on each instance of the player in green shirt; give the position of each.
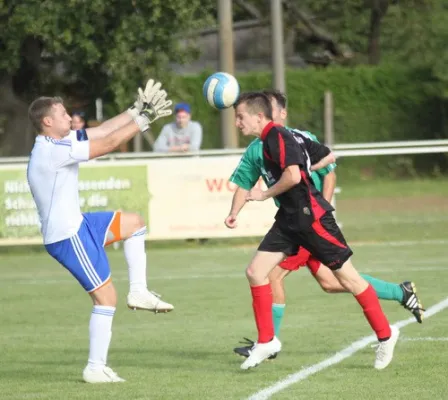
(247, 174)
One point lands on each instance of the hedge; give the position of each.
(371, 103)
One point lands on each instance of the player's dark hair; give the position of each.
(279, 97)
(40, 108)
(256, 102)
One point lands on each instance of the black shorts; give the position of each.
(324, 240)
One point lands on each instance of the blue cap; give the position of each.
(182, 107)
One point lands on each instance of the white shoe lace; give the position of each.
(252, 348)
(158, 302)
(155, 294)
(148, 299)
(380, 350)
(110, 372)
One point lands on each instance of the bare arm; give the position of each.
(238, 202)
(104, 145)
(329, 186)
(177, 149)
(109, 126)
(290, 177)
(328, 159)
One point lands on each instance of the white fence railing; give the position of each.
(340, 150)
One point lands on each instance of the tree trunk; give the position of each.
(16, 90)
(17, 138)
(378, 11)
(296, 11)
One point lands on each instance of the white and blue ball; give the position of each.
(221, 90)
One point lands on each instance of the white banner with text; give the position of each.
(190, 198)
(180, 198)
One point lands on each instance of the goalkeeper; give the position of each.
(77, 240)
(246, 175)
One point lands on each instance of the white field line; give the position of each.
(424, 339)
(304, 373)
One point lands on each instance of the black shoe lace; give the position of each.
(247, 342)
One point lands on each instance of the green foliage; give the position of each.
(413, 32)
(105, 47)
(421, 39)
(371, 103)
(347, 20)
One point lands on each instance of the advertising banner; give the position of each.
(190, 198)
(101, 187)
(180, 198)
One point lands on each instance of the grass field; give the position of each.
(187, 354)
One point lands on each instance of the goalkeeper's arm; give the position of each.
(151, 112)
(145, 99)
(109, 126)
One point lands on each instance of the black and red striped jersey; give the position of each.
(301, 205)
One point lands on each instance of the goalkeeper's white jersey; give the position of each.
(53, 178)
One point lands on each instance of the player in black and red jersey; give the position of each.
(304, 220)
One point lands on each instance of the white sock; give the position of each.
(100, 330)
(134, 251)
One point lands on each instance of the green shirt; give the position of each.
(251, 166)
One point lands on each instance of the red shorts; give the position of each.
(301, 259)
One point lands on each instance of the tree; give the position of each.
(377, 12)
(373, 29)
(84, 49)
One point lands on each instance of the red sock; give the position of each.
(370, 304)
(262, 305)
(313, 264)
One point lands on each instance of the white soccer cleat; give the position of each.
(103, 375)
(260, 352)
(385, 350)
(147, 300)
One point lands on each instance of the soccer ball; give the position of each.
(221, 90)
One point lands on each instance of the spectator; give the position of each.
(181, 135)
(79, 120)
